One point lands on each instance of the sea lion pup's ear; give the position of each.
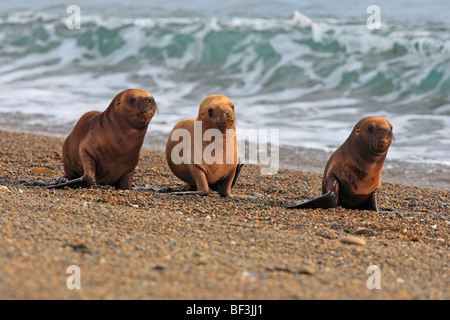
(115, 102)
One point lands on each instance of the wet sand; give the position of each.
(144, 245)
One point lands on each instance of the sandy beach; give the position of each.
(144, 245)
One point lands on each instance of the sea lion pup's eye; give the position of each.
(210, 112)
(132, 100)
(370, 128)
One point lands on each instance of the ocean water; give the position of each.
(309, 69)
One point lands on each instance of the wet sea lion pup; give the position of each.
(353, 173)
(200, 167)
(104, 146)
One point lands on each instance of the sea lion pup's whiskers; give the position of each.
(352, 175)
(104, 146)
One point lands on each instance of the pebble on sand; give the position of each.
(353, 240)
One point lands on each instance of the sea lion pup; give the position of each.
(203, 168)
(353, 173)
(104, 146)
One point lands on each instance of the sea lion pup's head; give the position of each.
(373, 134)
(217, 111)
(136, 106)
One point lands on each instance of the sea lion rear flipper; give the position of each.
(328, 200)
(83, 182)
(161, 190)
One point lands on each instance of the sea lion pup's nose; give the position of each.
(226, 111)
(390, 133)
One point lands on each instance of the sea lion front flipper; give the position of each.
(126, 182)
(201, 183)
(83, 182)
(371, 203)
(236, 175)
(325, 201)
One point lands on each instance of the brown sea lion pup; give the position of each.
(202, 168)
(104, 146)
(353, 173)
